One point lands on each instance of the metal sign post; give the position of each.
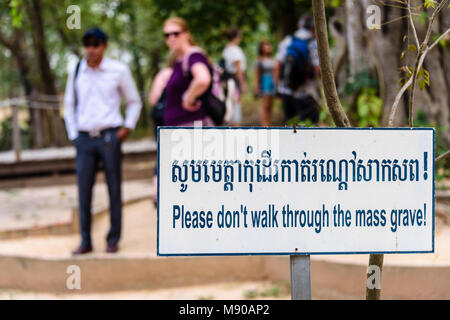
(300, 277)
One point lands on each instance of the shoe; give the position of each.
(82, 250)
(112, 248)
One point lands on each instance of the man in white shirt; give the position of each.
(97, 129)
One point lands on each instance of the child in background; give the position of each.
(264, 81)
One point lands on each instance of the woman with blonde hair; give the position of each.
(190, 78)
(184, 83)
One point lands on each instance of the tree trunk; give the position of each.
(357, 53)
(16, 45)
(375, 260)
(340, 51)
(326, 69)
(52, 117)
(24, 71)
(387, 46)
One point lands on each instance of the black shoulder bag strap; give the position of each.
(75, 95)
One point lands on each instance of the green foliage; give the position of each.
(135, 28)
(208, 19)
(442, 170)
(423, 17)
(141, 132)
(334, 3)
(422, 77)
(6, 133)
(429, 3)
(296, 121)
(16, 12)
(442, 42)
(361, 80)
(412, 47)
(250, 294)
(369, 107)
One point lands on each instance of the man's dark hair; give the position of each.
(306, 21)
(95, 33)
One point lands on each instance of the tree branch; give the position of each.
(420, 52)
(421, 57)
(411, 21)
(433, 17)
(435, 43)
(6, 42)
(442, 157)
(326, 69)
(413, 91)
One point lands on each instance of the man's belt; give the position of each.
(95, 133)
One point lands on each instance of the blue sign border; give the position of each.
(291, 253)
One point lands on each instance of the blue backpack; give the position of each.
(297, 67)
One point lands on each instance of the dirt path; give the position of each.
(23, 208)
(138, 238)
(219, 291)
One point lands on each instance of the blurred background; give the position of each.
(38, 225)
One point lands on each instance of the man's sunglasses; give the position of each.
(175, 34)
(94, 44)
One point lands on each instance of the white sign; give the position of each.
(248, 191)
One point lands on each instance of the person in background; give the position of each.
(157, 99)
(190, 78)
(235, 64)
(264, 81)
(161, 79)
(157, 96)
(97, 129)
(301, 101)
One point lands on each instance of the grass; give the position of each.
(273, 291)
